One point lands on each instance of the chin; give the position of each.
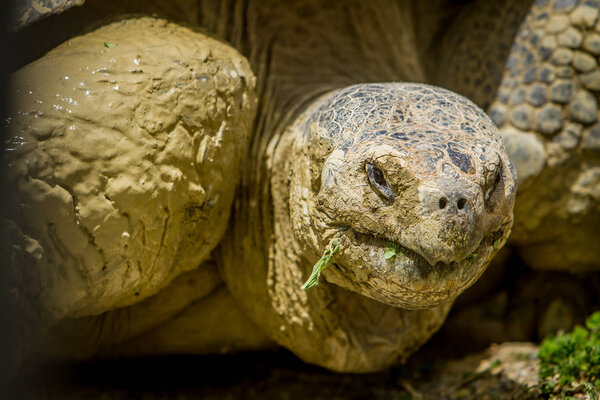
(406, 280)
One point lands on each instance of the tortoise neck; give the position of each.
(302, 49)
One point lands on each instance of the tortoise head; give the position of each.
(414, 183)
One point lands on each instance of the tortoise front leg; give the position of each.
(546, 106)
(194, 314)
(123, 154)
(86, 337)
(547, 111)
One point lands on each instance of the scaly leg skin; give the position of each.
(214, 324)
(547, 110)
(85, 337)
(123, 154)
(470, 55)
(195, 314)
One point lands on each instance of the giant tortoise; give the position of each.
(174, 178)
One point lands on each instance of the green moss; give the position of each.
(570, 363)
(313, 279)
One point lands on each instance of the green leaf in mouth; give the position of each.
(497, 243)
(313, 279)
(392, 249)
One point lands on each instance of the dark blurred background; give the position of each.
(7, 50)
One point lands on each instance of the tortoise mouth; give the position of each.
(403, 251)
(405, 279)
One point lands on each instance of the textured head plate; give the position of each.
(410, 166)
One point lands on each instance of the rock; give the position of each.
(555, 155)
(518, 363)
(583, 107)
(503, 95)
(558, 315)
(578, 204)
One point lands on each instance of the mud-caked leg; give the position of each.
(193, 314)
(122, 158)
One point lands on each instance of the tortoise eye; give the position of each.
(492, 180)
(378, 182)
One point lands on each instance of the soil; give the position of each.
(502, 372)
(279, 375)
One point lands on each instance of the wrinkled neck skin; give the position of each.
(367, 311)
(306, 184)
(409, 164)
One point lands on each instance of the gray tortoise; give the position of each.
(138, 147)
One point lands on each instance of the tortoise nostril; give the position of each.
(461, 203)
(443, 202)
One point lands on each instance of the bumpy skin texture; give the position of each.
(472, 52)
(544, 99)
(432, 144)
(447, 191)
(123, 157)
(547, 111)
(201, 317)
(80, 338)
